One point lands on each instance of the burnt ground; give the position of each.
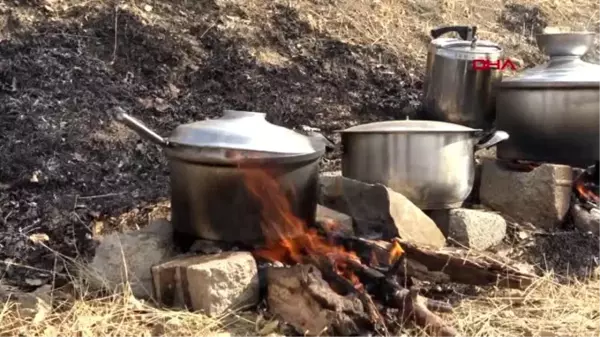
(66, 165)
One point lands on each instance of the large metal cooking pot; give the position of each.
(551, 111)
(431, 163)
(454, 91)
(209, 196)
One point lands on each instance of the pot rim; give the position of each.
(409, 126)
(196, 155)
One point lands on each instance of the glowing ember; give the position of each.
(586, 184)
(586, 193)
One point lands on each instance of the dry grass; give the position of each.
(545, 309)
(402, 26)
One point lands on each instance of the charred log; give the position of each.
(463, 267)
(336, 281)
(413, 308)
(441, 266)
(301, 297)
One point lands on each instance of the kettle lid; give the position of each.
(467, 50)
(245, 131)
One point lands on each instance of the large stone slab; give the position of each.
(378, 211)
(123, 259)
(211, 284)
(541, 196)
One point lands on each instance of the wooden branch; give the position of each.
(337, 281)
(300, 297)
(413, 308)
(445, 265)
(465, 267)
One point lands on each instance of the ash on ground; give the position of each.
(569, 255)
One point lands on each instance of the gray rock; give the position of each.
(126, 258)
(541, 196)
(378, 211)
(212, 284)
(475, 229)
(341, 222)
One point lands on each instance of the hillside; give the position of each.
(65, 65)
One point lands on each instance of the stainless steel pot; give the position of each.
(454, 91)
(551, 111)
(209, 196)
(431, 163)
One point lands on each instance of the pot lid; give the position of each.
(467, 50)
(408, 126)
(565, 68)
(246, 131)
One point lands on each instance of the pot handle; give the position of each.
(141, 129)
(492, 138)
(465, 32)
(319, 137)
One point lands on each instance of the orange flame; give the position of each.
(585, 192)
(395, 252)
(287, 237)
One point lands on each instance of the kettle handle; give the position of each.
(465, 32)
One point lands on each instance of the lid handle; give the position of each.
(466, 33)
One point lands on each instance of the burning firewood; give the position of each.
(442, 266)
(341, 294)
(301, 297)
(466, 268)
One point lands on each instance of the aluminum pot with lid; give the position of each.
(551, 110)
(210, 198)
(454, 90)
(431, 163)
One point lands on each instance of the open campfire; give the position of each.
(327, 282)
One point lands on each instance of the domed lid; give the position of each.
(565, 68)
(245, 131)
(408, 126)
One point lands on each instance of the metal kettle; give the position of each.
(455, 90)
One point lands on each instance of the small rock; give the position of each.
(476, 229)
(34, 282)
(541, 196)
(148, 8)
(138, 251)
(35, 306)
(332, 218)
(212, 284)
(39, 237)
(379, 211)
